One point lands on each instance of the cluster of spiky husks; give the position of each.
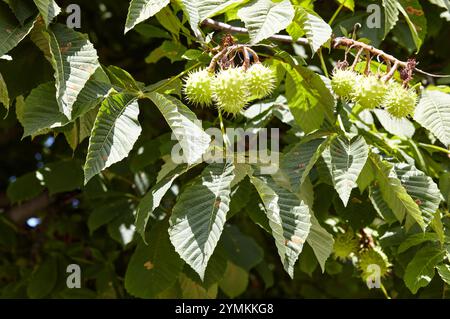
(231, 89)
(371, 92)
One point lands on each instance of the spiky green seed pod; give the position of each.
(198, 87)
(400, 102)
(369, 92)
(261, 80)
(370, 257)
(344, 245)
(231, 90)
(344, 83)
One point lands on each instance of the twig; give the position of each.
(19, 214)
(336, 43)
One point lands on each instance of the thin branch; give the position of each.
(335, 44)
(20, 213)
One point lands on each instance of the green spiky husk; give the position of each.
(344, 245)
(261, 80)
(400, 102)
(344, 83)
(369, 92)
(198, 87)
(231, 90)
(373, 256)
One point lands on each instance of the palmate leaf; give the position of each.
(141, 10)
(115, 131)
(298, 162)
(289, 219)
(185, 126)
(433, 113)
(420, 270)
(199, 215)
(48, 9)
(154, 268)
(264, 18)
(421, 188)
(393, 192)
(308, 23)
(74, 59)
(345, 159)
(199, 10)
(11, 31)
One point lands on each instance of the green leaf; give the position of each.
(289, 219)
(74, 59)
(264, 18)
(298, 162)
(393, 192)
(345, 159)
(401, 127)
(444, 186)
(319, 239)
(11, 31)
(141, 10)
(415, 17)
(115, 131)
(153, 198)
(155, 268)
(43, 279)
(309, 99)
(214, 272)
(444, 272)
(390, 15)
(103, 214)
(185, 126)
(433, 113)
(22, 9)
(380, 205)
(4, 96)
(199, 10)
(168, 49)
(308, 23)
(199, 215)
(62, 176)
(420, 270)
(242, 250)
(25, 187)
(48, 9)
(235, 280)
(41, 110)
(421, 188)
(349, 4)
(192, 290)
(415, 240)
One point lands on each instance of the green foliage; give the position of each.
(162, 208)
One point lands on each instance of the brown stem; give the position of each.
(391, 72)
(336, 43)
(358, 55)
(246, 63)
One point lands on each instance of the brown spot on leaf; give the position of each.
(149, 265)
(66, 48)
